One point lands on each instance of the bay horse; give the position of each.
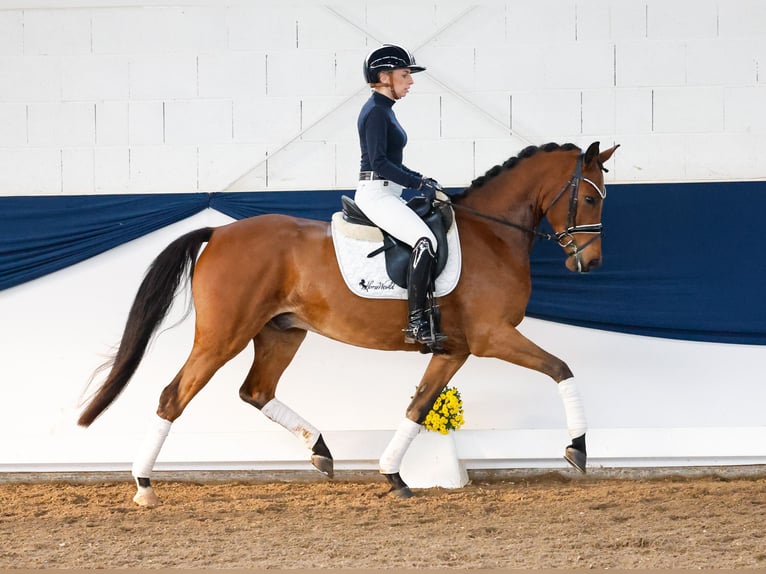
(272, 278)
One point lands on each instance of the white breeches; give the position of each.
(382, 202)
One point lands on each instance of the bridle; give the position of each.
(564, 238)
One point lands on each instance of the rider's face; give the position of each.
(400, 81)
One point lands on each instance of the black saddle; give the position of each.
(439, 219)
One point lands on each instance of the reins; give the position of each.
(567, 234)
(499, 220)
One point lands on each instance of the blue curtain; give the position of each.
(680, 260)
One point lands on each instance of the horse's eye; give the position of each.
(590, 200)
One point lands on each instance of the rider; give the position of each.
(383, 177)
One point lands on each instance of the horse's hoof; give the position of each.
(323, 464)
(402, 493)
(145, 497)
(399, 488)
(576, 458)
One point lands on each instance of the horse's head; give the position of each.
(574, 210)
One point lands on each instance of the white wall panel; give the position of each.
(510, 67)
(744, 110)
(633, 110)
(57, 32)
(721, 63)
(77, 171)
(320, 29)
(62, 124)
(628, 20)
(163, 169)
(462, 120)
(598, 111)
(267, 119)
(30, 79)
(13, 119)
(594, 20)
(330, 118)
(303, 165)
(308, 72)
(146, 122)
(420, 116)
(30, 171)
(657, 154)
(542, 21)
(163, 76)
(474, 25)
(741, 19)
(669, 20)
(158, 30)
(111, 170)
(401, 22)
(262, 26)
(11, 33)
(586, 65)
(198, 122)
(453, 66)
(688, 110)
(348, 71)
(641, 64)
(450, 162)
(112, 123)
(551, 115)
(95, 78)
(221, 164)
(232, 75)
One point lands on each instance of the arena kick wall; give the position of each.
(154, 97)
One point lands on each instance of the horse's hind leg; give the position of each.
(275, 348)
(193, 376)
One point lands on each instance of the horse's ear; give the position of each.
(606, 154)
(591, 153)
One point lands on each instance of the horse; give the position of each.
(269, 279)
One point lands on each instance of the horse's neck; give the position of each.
(511, 196)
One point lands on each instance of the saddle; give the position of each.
(439, 219)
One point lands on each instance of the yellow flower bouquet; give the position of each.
(447, 412)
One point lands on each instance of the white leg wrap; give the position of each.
(292, 421)
(573, 407)
(155, 437)
(392, 457)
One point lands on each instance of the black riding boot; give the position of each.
(422, 261)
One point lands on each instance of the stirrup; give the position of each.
(420, 331)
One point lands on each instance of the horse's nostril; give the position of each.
(594, 264)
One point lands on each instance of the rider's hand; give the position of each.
(429, 187)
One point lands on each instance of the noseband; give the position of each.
(564, 238)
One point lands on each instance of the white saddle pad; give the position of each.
(366, 276)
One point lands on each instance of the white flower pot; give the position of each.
(432, 460)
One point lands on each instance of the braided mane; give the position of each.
(511, 162)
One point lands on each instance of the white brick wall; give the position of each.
(191, 97)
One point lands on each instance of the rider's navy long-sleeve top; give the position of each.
(382, 140)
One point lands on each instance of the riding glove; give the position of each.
(429, 187)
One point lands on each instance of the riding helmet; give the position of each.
(386, 58)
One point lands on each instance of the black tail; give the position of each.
(152, 303)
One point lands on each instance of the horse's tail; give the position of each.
(152, 303)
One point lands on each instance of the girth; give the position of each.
(439, 219)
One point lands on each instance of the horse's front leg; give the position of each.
(440, 370)
(515, 348)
